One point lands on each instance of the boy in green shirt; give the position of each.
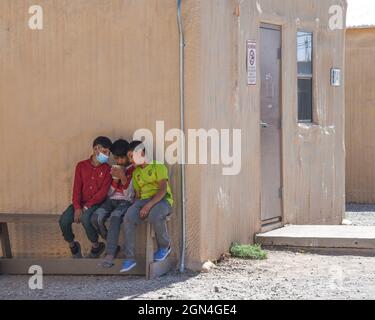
(154, 202)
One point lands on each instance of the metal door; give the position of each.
(270, 70)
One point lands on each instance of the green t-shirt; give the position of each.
(146, 181)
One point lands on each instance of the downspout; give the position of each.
(182, 125)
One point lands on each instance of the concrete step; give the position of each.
(324, 237)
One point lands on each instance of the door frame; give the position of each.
(276, 223)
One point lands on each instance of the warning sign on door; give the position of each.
(251, 62)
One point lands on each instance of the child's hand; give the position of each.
(143, 214)
(77, 215)
(117, 173)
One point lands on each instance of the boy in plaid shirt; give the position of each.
(120, 198)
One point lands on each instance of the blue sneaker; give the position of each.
(128, 265)
(162, 254)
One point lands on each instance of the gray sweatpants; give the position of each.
(157, 217)
(115, 210)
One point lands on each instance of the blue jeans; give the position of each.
(157, 217)
(114, 210)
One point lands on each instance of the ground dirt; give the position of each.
(284, 275)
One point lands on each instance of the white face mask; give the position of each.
(138, 158)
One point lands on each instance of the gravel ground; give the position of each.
(361, 215)
(285, 275)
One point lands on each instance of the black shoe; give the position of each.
(95, 253)
(76, 251)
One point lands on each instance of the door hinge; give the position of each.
(279, 53)
(281, 192)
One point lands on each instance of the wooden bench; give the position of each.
(68, 266)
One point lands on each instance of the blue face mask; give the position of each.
(102, 158)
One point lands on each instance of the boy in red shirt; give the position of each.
(91, 185)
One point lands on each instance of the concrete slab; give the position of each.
(341, 237)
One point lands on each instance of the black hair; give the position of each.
(120, 148)
(103, 141)
(135, 144)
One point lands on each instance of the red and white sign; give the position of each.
(251, 62)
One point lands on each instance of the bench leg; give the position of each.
(149, 250)
(5, 241)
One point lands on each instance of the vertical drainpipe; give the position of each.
(182, 124)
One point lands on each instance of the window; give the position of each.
(305, 76)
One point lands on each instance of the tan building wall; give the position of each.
(313, 155)
(99, 67)
(111, 67)
(360, 115)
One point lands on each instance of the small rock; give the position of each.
(207, 266)
(346, 222)
(217, 290)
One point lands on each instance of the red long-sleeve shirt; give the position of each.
(91, 184)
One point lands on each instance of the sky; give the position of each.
(361, 12)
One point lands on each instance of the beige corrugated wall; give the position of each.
(217, 96)
(360, 115)
(99, 67)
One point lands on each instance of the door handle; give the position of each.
(264, 125)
